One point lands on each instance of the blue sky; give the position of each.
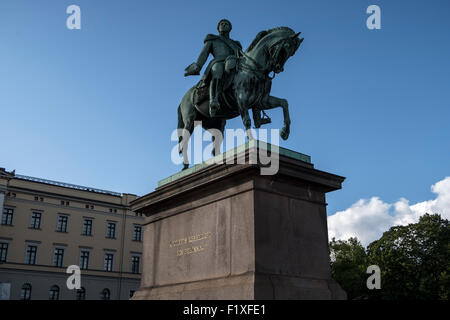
(97, 106)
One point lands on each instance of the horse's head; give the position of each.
(272, 48)
(283, 49)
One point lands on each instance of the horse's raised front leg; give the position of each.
(273, 102)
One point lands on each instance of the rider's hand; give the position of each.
(192, 69)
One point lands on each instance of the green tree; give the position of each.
(414, 260)
(348, 266)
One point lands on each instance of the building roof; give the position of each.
(67, 185)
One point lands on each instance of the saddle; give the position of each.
(201, 103)
(228, 109)
(200, 97)
(201, 93)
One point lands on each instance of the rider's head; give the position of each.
(224, 26)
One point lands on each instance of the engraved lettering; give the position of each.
(188, 240)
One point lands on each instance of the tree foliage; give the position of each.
(414, 262)
(348, 266)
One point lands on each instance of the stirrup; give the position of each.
(265, 118)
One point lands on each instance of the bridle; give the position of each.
(257, 68)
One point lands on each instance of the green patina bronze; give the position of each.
(239, 149)
(236, 81)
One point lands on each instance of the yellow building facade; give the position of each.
(47, 226)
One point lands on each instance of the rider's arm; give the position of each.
(204, 54)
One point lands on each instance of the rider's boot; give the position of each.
(214, 97)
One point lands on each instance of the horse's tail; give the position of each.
(180, 126)
(180, 118)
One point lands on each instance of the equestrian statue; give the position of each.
(236, 81)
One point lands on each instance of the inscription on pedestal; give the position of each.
(189, 240)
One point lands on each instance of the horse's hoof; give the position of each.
(284, 134)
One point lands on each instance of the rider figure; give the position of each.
(221, 47)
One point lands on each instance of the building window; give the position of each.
(3, 251)
(84, 259)
(135, 264)
(87, 227)
(30, 257)
(62, 223)
(81, 294)
(62, 202)
(53, 294)
(105, 294)
(36, 218)
(137, 233)
(132, 293)
(36, 198)
(58, 257)
(109, 260)
(25, 293)
(42, 199)
(111, 230)
(7, 216)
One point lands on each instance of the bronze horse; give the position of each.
(246, 87)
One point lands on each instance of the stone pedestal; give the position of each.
(224, 231)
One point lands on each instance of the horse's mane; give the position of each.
(264, 33)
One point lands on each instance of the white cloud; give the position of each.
(368, 219)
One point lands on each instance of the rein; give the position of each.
(257, 70)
